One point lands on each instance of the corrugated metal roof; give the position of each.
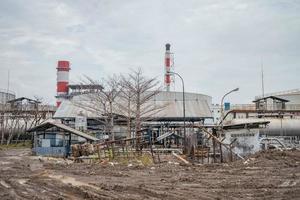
(197, 106)
(50, 124)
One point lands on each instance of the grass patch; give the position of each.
(143, 159)
(146, 159)
(20, 145)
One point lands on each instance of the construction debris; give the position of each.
(180, 158)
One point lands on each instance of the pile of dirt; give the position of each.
(288, 158)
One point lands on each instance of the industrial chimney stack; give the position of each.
(62, 87)
(168, 67)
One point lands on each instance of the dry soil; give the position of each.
(266, 175)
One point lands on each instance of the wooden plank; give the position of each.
(180, 158)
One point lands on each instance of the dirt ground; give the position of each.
(269, 175)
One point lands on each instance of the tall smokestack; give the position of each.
(167, 67)
(62, 87)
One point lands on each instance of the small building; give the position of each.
(216, 112)
(293, 96)
(23, 104)
(270, 103)
(55, 139)
(244, 137)
(6, 95)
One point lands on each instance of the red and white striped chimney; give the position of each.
(62, 87)
(168, 67)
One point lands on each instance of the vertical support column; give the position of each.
(34, 143)
(231, 157)
(221, 153)
(70, 143)
(214, 144)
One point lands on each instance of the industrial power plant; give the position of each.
(149, 100)
(189, 123)
(126, 117)
(181, 121)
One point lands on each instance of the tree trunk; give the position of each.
(11, 131)
(111, 121)
(128, 122)
(2, 128)
(138, 124)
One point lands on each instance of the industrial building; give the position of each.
(281, 112)
(6, 95)
(245, 127)
(70, 96)
(73, 102)
(197, 111)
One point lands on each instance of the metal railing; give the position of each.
(267, 107)
(292, 106)
(243, 107)
(27, 107)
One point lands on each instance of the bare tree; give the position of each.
(141, 90)
(40, 111)
(125, 106)
(3, 121)
(129, 96)
(102, 102)
(16, 118)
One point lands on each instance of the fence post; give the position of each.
(98, 150)
(221, 153)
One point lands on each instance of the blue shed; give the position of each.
(55, 139)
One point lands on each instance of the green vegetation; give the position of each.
(143, 159)
(26, 144)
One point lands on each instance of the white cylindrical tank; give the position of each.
(276, 127)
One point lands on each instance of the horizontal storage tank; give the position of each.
(276, 127)
(282, 127)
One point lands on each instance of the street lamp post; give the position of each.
(222, 110)
(183, 102)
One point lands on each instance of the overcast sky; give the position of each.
(217, 45)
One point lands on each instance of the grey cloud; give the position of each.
(218, 45)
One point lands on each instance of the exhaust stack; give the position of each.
(62, 87)
(168, 67)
